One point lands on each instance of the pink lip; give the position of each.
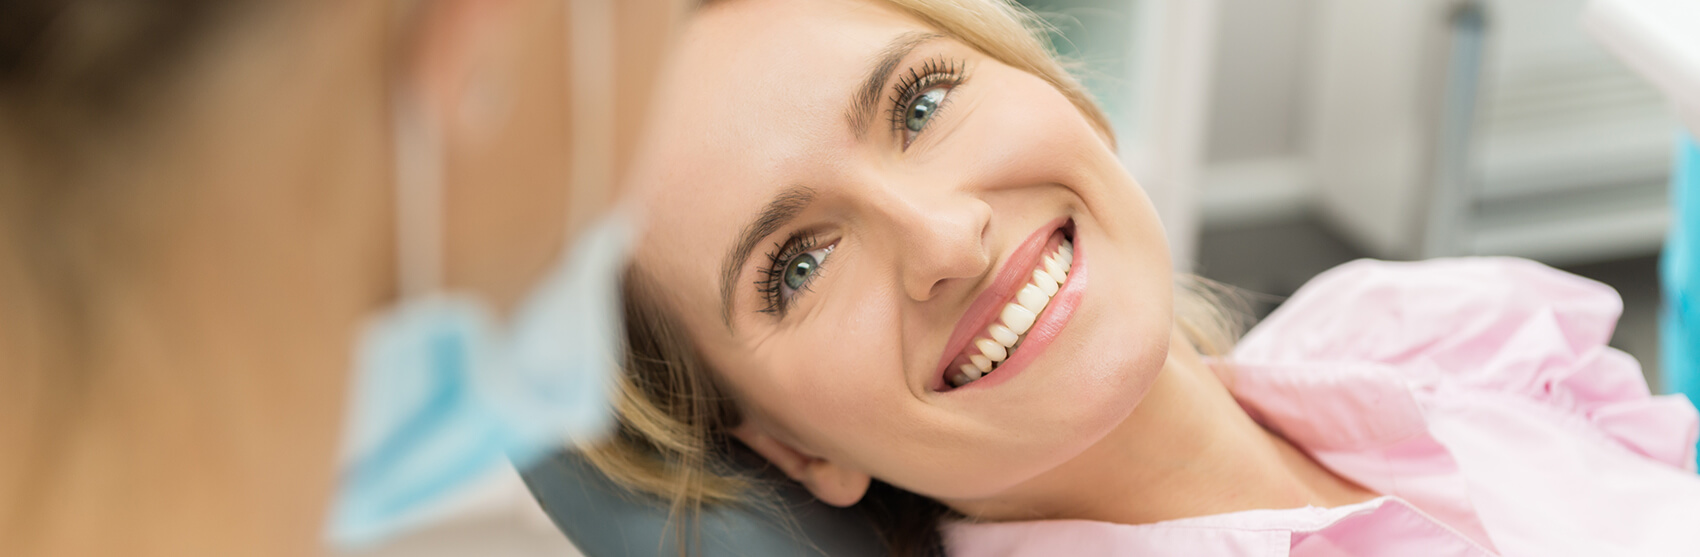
(1017, 270)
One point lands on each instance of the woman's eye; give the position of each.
(800, 270)
(923, 107)
(922, 93)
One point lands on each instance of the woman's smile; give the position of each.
(869, 293)
(1015, 318)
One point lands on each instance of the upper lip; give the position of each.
(1016, 270)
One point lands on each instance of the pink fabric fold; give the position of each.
(1477, 395)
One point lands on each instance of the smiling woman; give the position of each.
(962, 319)
(840, 130)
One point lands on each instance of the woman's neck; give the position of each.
(196, 337)
(143, 419)
(183, 368)
(1187, 450)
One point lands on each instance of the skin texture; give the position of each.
(179, 330)
(838, 389)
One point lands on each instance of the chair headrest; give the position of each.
(606, 520)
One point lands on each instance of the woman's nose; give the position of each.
(941, 238)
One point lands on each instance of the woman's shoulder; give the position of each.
(1455, 309)
(1501, 325)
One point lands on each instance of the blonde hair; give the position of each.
(673, 439)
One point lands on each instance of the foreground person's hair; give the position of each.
(674, 436)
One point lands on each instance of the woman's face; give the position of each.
(848, 202)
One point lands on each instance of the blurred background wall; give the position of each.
(1279, 138)
(1407, 129)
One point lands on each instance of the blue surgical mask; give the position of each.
(445, 393)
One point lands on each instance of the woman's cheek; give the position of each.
(1024, 132)
(850, 354)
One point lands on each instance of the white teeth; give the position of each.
(991, 349)
(1018, 319)
(1032, 298)
(1056, 270)
(1045, 283)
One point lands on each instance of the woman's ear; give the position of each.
(832, 483)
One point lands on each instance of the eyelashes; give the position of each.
(919, 94)
(935, 72)
(770, 284)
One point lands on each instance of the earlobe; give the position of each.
(833, 484)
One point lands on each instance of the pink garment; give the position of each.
(1477, 395)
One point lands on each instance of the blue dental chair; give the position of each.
(1679, 275)
(605, 520)
(1660, 39)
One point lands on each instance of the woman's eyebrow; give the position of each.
(780, 210)
(867, 97)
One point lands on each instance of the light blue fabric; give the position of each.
(1680, 275)
(443, 396)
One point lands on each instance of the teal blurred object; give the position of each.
(1679, 271)
(1660, 39)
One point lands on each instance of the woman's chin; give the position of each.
(1087, 384)
(1100, 369)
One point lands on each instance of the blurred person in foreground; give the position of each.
(212, 211)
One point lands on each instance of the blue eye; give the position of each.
(923, 107)
(922, 93)
(790, 270)
(797, 273)
(800, 270)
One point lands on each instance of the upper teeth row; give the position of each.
(1017, 317)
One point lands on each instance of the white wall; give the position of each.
(1255, 166)
(1257, 109)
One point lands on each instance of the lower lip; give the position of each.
(1045, 329)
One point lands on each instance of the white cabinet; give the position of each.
(1450, 127)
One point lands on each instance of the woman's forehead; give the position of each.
(755, 103)
(779, 32)
(772, 79)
